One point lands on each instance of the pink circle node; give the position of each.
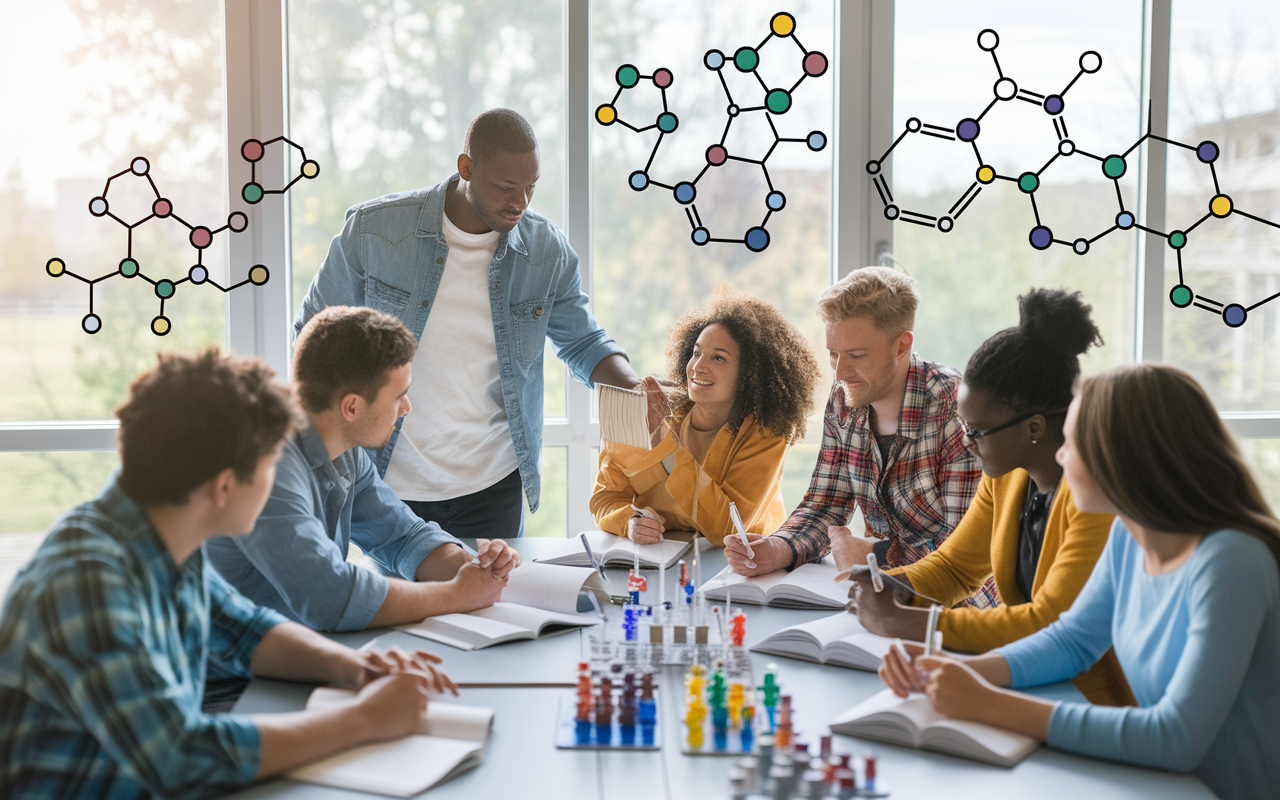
(201, 238)
(815, 64)
(252, 150)
(662, 78)
(162, 208)
(716, 155)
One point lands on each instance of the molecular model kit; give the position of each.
(1113, 166)
(609, 711)
(200, 236)
(774, 102)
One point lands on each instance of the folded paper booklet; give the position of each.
(839, 639)
(807, 586)
(450, 741)
(912, 722)
(613, 550)
(540, 600)
(624, 416)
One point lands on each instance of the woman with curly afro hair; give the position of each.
(741, 384)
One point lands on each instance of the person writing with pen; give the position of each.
(743, 381)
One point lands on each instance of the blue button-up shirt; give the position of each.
(104, 644)
(295, 561)
(390, 256)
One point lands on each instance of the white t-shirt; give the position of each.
(455, 441)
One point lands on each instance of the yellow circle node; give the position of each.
(606, 114)
(309, 169)
(258, 275)
(986, 175)
(1220, 206)
(159, 326)
(55, 267)
(784, 24)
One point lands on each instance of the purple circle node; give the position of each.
(967, 130)
(1207, 152)
(1041, 237)
(162, 208)
(201, 238)
(815, 64)
(662, 78)
(1234, 315)
(1054, 104)
(716, 155)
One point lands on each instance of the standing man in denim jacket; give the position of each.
(481, 282)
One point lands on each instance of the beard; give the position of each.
(487, 215)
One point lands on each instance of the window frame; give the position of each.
(259, 323)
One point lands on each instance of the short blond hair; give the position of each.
(888, 297)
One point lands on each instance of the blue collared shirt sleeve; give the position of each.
(384, 527)
(576, 338)
(89, 655)
(341, 277)
(236, 626)
(291, 549)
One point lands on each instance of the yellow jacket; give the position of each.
(746, 468)
(986, 543)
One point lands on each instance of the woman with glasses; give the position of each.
(1023, 525)
(1187, 590)
(741, 381)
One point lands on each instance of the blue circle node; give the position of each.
(198, 274)
(757, 239)
(714, 59)
(1124, 220)
(638, 180)
(91, 323)
(776, 201)
(701, 236)
(685, 193)
(816, 141)
(1234, 315)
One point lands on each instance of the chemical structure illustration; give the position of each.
(776, 101)
(1113, 166)
(200, 236)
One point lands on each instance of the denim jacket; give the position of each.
(390, 256)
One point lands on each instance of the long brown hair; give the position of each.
(1153, 442)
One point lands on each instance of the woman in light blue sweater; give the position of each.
(1187, 591)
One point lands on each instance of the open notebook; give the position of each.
(613, 550)
(540, 600)
(450, 741)
(912, 722)
(839, 639)
(807, 586)
(624, 416)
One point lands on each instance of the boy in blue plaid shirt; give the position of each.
(108, 633)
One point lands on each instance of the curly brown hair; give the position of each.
(777, 373)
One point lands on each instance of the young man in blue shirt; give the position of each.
(483, 283)
(352, 371)
(108, 632)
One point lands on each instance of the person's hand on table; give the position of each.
(880, 613)
(955, 688)
(767, 554)
(476, 587)
(497, 555)
(643, 530)
(899, 670)
(393, 706)
(847, 550)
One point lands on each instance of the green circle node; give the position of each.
(667, 122)
(1177, 240)
(746, 59)
(164, 289)
(628, 77)
(1181, 296)
(128, 268)
(1113, 167)
(778, 101)
(1028, 182)
(252, 193)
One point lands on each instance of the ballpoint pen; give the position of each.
(598, 567)
(742, 532)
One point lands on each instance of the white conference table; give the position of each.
(521, 759)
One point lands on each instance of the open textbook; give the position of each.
(540, 600)
(912, 722)
(624, 416)
(807, 586)
(450, 741)
(611, 550)
(839, 639)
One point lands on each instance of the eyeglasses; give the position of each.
(974, 436)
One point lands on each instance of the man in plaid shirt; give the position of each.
(891, 443)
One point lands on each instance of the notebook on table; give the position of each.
(450, 741)
(912, 722)
(807, 586)
(839, 639)
(539, 600)
(611, 550)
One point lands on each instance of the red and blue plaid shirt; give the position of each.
(916, 499)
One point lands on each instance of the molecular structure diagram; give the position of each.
(1113, 166)
(200, 236)
(776, 101)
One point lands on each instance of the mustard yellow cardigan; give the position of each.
(986, 543)
(745, 468)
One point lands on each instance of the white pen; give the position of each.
(599, 568)
(931, 628)
(737, 523)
